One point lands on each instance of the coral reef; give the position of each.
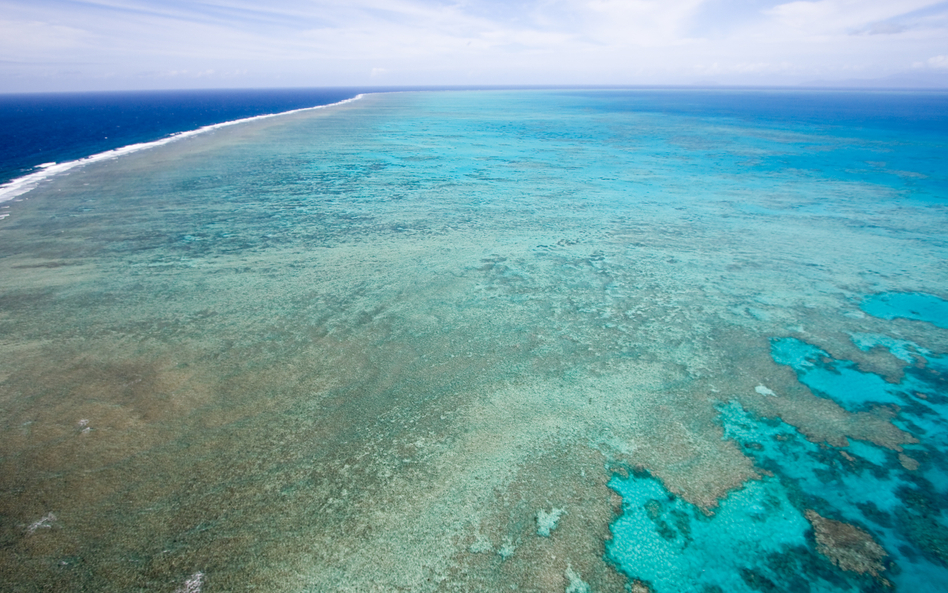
(847, 546)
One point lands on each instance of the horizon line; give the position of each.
(487, 87)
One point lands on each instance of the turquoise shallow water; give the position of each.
(482, 341)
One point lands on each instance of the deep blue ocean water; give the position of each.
(658, 340)
(57, 127)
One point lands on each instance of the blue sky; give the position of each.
(63, 45)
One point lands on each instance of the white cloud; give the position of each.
(939, 62)
(305, 42)
(31, 40)
(842, 15)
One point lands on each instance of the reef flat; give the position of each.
(482, 341)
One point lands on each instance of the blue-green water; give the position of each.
(482, 341)
(924, 307)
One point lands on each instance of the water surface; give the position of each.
(484, 341)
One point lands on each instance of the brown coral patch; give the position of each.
(907, 462)
(847, 546)
(640, 587)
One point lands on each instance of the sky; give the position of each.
(66, 45)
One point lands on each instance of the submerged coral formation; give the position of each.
(443, 342)
(547, 521)
(847, 546)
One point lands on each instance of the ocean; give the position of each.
(579, 340)
(58, 127)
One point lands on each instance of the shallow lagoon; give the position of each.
(535, 341)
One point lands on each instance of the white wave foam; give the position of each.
(192, 585)
(44, 523)
(21, 185)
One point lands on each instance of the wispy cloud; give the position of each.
(931, 17)
(934, 62)
(325, 42)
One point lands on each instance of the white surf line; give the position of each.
(21, 185)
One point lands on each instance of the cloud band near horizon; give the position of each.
(131, 44)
